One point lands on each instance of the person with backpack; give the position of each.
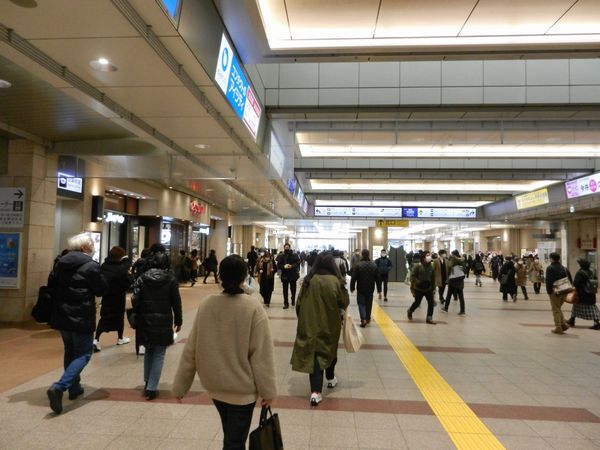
(211, 264)
(384, 265)
(586, 286)
(456, 281)
(341, 262)
(478, 269)
(554, 272)
(364, 278)
(422, 284)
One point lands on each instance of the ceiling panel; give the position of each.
(220, 145)
(138, 64)
(187, 127)
(157, 101)
(184, 56)
(412, 18)
(53, 19)
(316, 19)
(583, 17)
(514, 17)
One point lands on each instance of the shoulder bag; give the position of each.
(571, 297)
(43, 307)
(268, 434)
(353, 337)
(562, 286)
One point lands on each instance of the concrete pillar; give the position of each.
(378, 237)
(218, 239)
(29, 167)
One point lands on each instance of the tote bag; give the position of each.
(268, 434)
(353, 338)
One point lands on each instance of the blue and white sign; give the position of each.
(391, 212)
(233, 82)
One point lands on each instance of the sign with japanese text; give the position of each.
(10, 254)
(531, 199)
(391, 223)
(583, 186)
(12, 207)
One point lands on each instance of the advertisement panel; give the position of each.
(10, 255)
(531, 199)
(390, 212)
(583, 186)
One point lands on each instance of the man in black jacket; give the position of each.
(289, 264)
(554, 272)
(364, 277)
(252, 258)
(76, 281)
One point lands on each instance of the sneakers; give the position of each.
(332, 383)
(97, 347)
(151, 395)
(142, 350)
(444, 310)
(409, 314)
(315, 398)
(55, 398)
(462, 313)
(596, 326)
(123, 341)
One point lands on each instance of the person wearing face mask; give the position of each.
(495, 266)
(441, 273)
(264, 272)
(289, 263)
(521, 277)
(422, 284)
(384, 265)
(77, 281)
(536, 273)
(456, 281)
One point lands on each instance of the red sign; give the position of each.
(196, 208)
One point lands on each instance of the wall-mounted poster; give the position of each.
(10, 260)
(97, 238)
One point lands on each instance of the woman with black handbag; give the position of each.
(586, 307)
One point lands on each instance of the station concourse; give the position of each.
(409, 127)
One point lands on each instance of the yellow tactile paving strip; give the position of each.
(465, 429)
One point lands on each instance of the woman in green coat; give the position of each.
(322, 295)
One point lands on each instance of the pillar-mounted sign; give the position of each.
(12, 207)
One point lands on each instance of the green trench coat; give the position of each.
(319, 323)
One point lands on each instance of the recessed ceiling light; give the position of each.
(5, 84)
(103, 65)
(209, 190)
(118, 190)
(202, 146)
(170, 187)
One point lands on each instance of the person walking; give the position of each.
(586, 307)
(210, 265)
(252, 257)
(495, 266)
(456, 281)
(288, 263)
(364, 277)
(77, 281)
(354, 259)
(115, 270)
(536, 273)
(183, 267)
(310, 260)
(422, 284)
(478, 269)
(508, 282)
(521, 278)
(322, 295)
(194, 266)
(554, 272)
(384, 265)
(441, 273)
(264, 271)
(230, 347)
(157, 304)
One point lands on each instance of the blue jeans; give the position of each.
(78, 351)
(153, 364)
(365, 304)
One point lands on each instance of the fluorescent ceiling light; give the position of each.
(451, 151)
(420, 203)
(430, 186)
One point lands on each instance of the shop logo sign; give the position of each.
(197, 208)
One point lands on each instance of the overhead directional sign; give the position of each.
(404, 212)
(583, 186)
(12, 207)
(391, 223)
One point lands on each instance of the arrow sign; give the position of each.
(18, 194)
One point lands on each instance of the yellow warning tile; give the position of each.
(463, 426)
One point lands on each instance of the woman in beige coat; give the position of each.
(521, 277)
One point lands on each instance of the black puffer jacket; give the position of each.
(157, 302)
(77, 281)
(364, 277)
(581, 278)
(116, 274)
(554, 272)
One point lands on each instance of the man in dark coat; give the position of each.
(289, 264)
(554, 272)
(364, 277)
(252, 257)
(77, 281)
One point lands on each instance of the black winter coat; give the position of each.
(77, 281)
(116, 274)
(554, 272)
(291, 274)
(157, 302)
(364, 277)
(581, 278)
(511, 285)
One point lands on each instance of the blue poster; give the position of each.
(10, 244)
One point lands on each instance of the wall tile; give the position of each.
(502, 95)
(420, 73)
(269, 74)
(379, 96)
(335, 97)
(547, 72)
(547, 94)
(298, 97)
(300, 75)
(584, 71)
(504, 73)
(585, 94)
(462, 95)
(420, 96)
(379, 74)
(337, 75)
(462, 73)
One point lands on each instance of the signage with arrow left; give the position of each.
(12, 207)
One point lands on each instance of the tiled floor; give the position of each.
(530, 388)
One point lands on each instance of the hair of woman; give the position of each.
(233, 270)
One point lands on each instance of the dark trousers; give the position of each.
(537, 287)
(100, 329)
(236, 421)
(316, 378)
(461, 298)
(524, 290)
(251, 270)
(365, 305)
(193, 275)
(383, 279)
(418, 297)
(441, 290)
(215, 274)
(292, 286)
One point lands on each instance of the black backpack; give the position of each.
(591, 286)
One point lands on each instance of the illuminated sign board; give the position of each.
(531, 199)
(406, 213)
(291, 185)
(583, 186)
(233, 82)
(172, 7)
(69, 183)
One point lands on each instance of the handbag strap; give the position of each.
(263, 414)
